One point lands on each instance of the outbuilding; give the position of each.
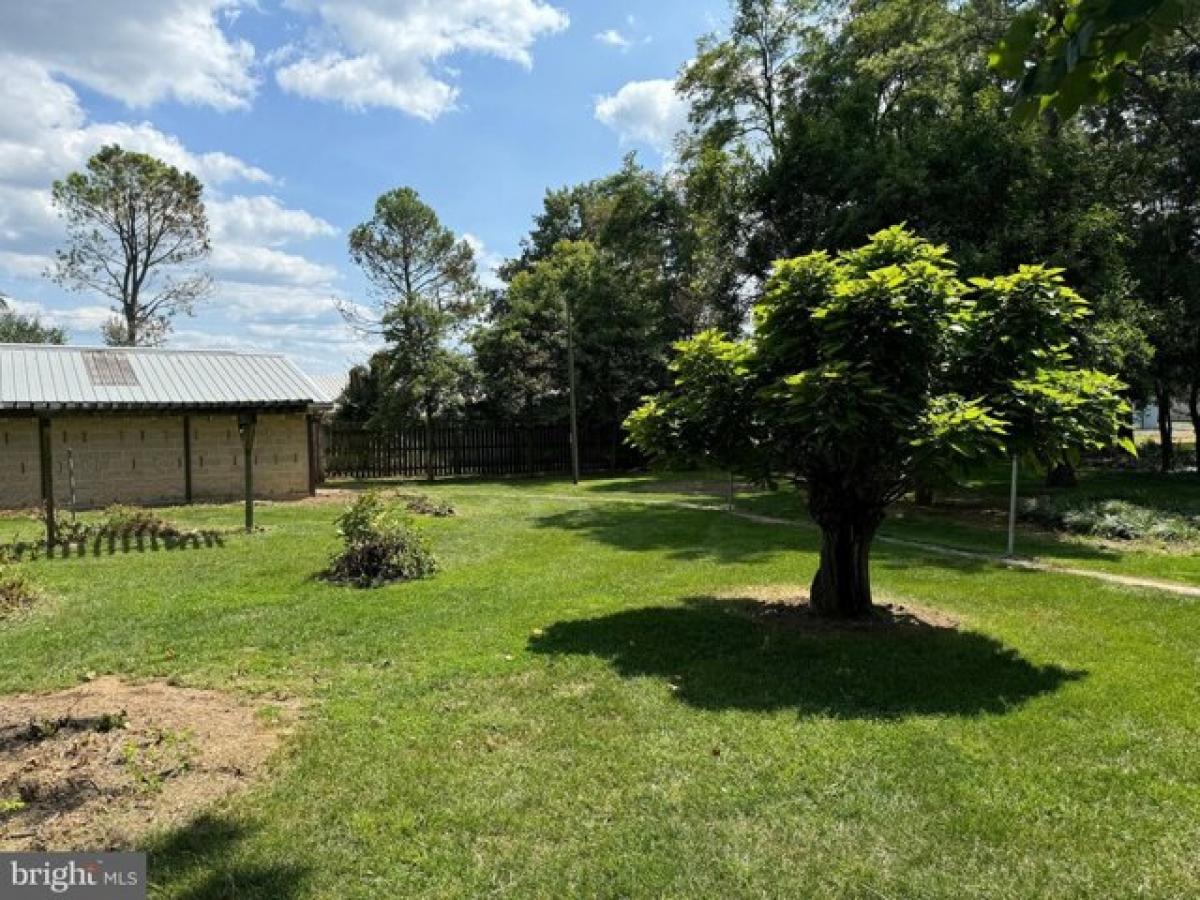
(91, 426)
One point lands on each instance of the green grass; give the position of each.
(570, 710)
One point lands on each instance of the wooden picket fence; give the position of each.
(457, 451)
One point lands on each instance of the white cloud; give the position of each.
(390, 53)
(264, 264)
(487, 260)
(264, 219)
(76, 320)
(647, 111)
(613, 38)
(138, 51)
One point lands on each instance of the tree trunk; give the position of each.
(1166, 436)
(428, 445)
(841, 588)
(1194, 413)
(923, 493)
(1062, 475)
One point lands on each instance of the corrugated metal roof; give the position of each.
(332, 386)
(39, 376)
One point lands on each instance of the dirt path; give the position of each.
(1133, 581)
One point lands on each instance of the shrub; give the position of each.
(121, 520)
(424, 505)
(1117, 520)
(17, 590)
(381, 545)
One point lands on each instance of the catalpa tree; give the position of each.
(874, 369)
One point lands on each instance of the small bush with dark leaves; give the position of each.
(1114, 520)
(381, 546)
(17, 590)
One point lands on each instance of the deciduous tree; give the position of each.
(137, 234)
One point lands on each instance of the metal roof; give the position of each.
(332, 386)
(47, 377)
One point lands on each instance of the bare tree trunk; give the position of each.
(1194, 413)
(923, 493)
(1166, 436)
(1062, 475)
(842, 586)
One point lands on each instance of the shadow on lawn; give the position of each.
(195, 863)
(110, 544)
(719, 657)
(688, 534)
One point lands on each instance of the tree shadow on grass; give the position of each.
(198, 862)
(718, 655)
(686, 534)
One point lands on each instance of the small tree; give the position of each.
(708, 418)
(18, 329)
(137, 231)
(860, 377)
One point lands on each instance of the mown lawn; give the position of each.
(579, 705)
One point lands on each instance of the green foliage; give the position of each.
(119, 519)
(382, 545)
(425, 287)
(707, 417)
(19, 329)
(1119, 520)
(1065, 55)
(17, 590)
(877, 369)
(137, 233)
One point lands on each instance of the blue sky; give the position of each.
(298, 113)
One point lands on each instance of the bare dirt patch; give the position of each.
(98, 766)
(787, 606)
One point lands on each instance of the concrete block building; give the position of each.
(94, 426)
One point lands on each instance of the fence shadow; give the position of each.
(197, 862)
(111, 544)
(717, 655)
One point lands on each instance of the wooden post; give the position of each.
(310, 422)
(187, 460)
(246, 425)
(47, 462)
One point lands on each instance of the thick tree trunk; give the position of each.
(923, 494)
(1194, 413)
(1166, 436)
(842, 586)
(1062, 475)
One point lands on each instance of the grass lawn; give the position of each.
(580, 705)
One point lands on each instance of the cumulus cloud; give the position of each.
(389, 53)
(265, 219)
(45, 133)
(613, 38)
(137, 51)
(649, 112)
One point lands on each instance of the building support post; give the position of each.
(247, 422)
(46, 452)
(187, 460)
(311, 424)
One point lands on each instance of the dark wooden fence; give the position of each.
(473, 450)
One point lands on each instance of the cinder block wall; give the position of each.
(20, 484)
(139, 460)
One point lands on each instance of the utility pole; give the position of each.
(574, 404)
(1012, 509)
